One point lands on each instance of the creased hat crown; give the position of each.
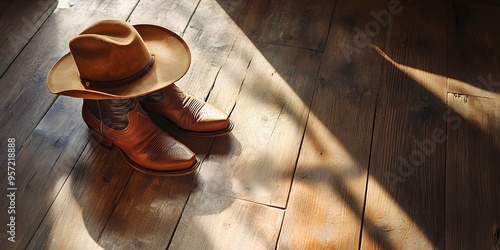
(112, 59)
(109, 51)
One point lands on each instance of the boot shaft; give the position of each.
(144, 145)
(112, 113)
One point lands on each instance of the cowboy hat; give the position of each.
(112, 59)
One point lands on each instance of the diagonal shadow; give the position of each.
(259, 22)
(416, 104)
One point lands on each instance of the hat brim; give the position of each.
(172, 60)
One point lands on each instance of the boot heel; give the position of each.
(101, 139)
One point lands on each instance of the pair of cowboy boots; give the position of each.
(141, 142)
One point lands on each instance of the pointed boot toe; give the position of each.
(164, 154)
(142, 144)
(187, 113)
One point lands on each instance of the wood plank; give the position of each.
(208, 51)
(106, 8)
(19, 21)
(213, 221)
(25, 97)
(473, 49)
(43, 163)
(325, 208)
(223, 51)
(292, 23)
(472, 176)
(83, 205)
(211, 35)
(172, 14)
(150, 207)
(147, 213)
(278, 93)
(472, 189)
(405, 192)
(26, 101)
(250, 163)
(275, 81)
(94, 205)
(4, 4)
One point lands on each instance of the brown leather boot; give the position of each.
(187, 113)
(142, 144)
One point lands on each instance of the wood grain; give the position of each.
(278, 94)
(405, 192)
(4, 4)
(249, 164)
(213, 221)
(473, 50)
(46, 128)
(19, 21)
(25, 97)
(472, 176)
(43, 164)
(173, 14)
(277, 83)
(292, 23)
(83, 205)
(472, 218)
(352, 131)
(46, 158)
(325, 208)
(148, 220)
(147, 213)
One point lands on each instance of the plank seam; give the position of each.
(190, 18)
(132, 11)
(306, 121)
(112, 212)
(58, 192)
(313, 97)
(218, 71)
(37, 124)
(241, 88)
(292, 46)
(51, 9)
(174, 231)
(213, 83)
(368, 169)
(374, 119)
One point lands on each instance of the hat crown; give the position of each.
(109, 51)
(119, 61)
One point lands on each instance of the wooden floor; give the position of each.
(353, 130)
